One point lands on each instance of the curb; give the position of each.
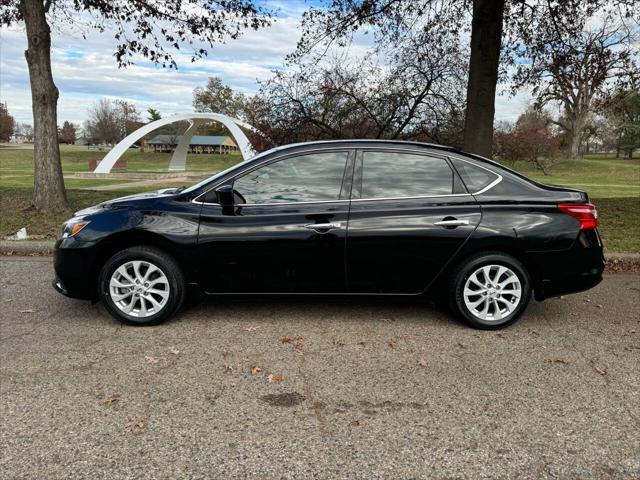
(616, 262)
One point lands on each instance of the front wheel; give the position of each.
(141, 286)
(490, 291)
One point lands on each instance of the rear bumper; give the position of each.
(73, 263)
(575, 270)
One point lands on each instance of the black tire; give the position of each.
(158, 258)
(462, 273)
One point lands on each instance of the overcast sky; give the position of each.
(85, 70)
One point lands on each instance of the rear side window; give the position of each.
(395, 174)
(474, 177)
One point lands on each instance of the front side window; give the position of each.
(305, 178)
(394, 174)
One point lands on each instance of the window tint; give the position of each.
(474, 177)
(390, 174)
(307, 178)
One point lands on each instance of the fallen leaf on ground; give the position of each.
(406, 338)
(355, 423)
(558, 360)
(136, 426)
(255, 370)
(151, 359)
(250, 329)
(462, 345)
(174, 350)
(338, 341)
(111, 400)
(601, 371)
(275, 378)
(287, 339)
(225, 365)
(422, 362)
(392, 343)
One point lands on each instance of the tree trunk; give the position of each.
(486, 42)
(48, 187)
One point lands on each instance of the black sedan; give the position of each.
(355, 217)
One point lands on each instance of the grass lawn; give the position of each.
(612, 184)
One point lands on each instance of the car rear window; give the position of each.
(474, 177)
(397, 175)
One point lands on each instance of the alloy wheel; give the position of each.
(492, 292)
(139, 288)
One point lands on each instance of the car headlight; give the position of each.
(73, 226)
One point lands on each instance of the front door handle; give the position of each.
(453, 222)
(325, 227)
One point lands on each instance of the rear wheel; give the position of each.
(141, 286)
(490, 291)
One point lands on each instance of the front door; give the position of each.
(409, 215)
(286, 232)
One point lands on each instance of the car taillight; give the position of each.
(585, 213)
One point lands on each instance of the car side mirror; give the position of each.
(225, 195)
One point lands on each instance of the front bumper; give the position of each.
(73, 262)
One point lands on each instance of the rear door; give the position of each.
(286, 232)
(409, 215)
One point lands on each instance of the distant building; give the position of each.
(199, 144)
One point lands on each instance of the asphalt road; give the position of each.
(343, 389)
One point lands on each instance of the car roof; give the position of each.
(366, 141)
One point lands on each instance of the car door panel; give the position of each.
(399, 245)
(287, 247)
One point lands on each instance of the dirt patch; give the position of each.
(284, 399)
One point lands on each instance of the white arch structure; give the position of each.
(179, 158)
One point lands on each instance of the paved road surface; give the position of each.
(358, 389)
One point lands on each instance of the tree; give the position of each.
(104, 123)
(143, 28)
(217, 97)
(67, 133)
(7, 123)
(413, 98)
(622, 121)
(530, 139)
(153, 115)
(24, 130)
(575, 70)
(499, 30)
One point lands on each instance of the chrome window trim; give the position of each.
(341, 201)
(264, 162)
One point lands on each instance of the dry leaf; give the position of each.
(355, 423)
(392, 343)
(422, 362)
(558, 360)
(338, 341)
(151, 359)
(174, 350)
(111, 400)
(287, 339)
(275, 378)
(406, 338)
(601, 371)
(250, 329)
(225, 365)
(136, 426)
(255, 370)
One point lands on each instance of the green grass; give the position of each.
(16, 164)
(612, 184)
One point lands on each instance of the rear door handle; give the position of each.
(454, 222)
(323, 226)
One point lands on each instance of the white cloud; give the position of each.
(85, 70)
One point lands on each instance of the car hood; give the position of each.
(128, 200)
